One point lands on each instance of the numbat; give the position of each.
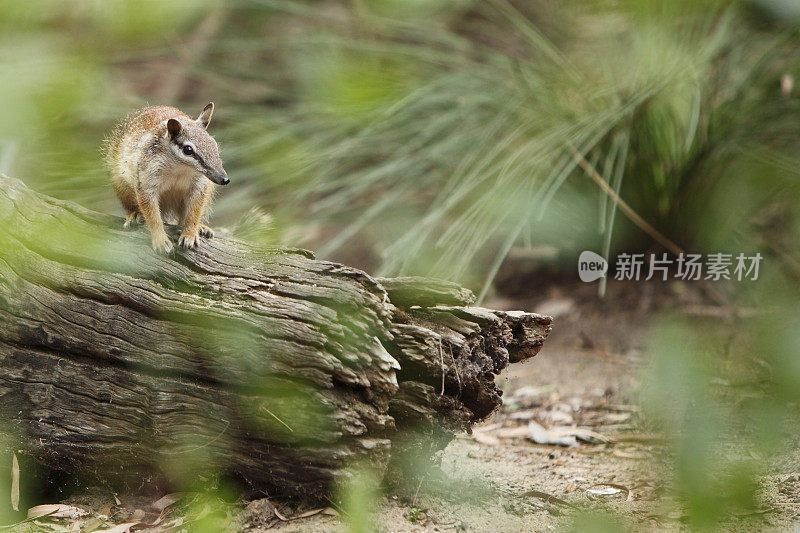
(162, 164)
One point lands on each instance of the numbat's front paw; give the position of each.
(205, 231)
(161, 243)
(188, 240)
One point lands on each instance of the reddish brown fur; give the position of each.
(153, 179)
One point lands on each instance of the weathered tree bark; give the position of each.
(264, 363)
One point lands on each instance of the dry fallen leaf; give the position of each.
(165, 501)
(605, 491)
(559, 417)
(15, 483)
(787, 84)
(548, 498)
(162, 515)
(56, 510)
(540, 435)
(610, 489)
(583, 434)
(308, 513)
(485, 438)
(91, 524)
(518, 432)
(617, 418)
(526, 414)
(305, 514)
(278, 513)
(119, 528)
(58, 528)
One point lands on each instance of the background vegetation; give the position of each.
(435, 137)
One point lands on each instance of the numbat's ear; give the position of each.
(205, 117)
(173, 127)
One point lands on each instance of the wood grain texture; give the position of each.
(264, 363)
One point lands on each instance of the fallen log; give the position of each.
(263, 363)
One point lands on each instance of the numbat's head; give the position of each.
(191, 145)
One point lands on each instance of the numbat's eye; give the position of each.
(188, 150)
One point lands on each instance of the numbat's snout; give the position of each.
(164, 164)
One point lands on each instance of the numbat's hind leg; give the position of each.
(134, 217)
(205, 231)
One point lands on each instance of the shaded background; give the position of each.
(445, 138)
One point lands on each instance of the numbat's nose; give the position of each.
(219, 177)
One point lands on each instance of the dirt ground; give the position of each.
(580, 390)
(586, 375)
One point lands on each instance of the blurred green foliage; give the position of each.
(598, 522)
(7, 514)
(359, 497)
